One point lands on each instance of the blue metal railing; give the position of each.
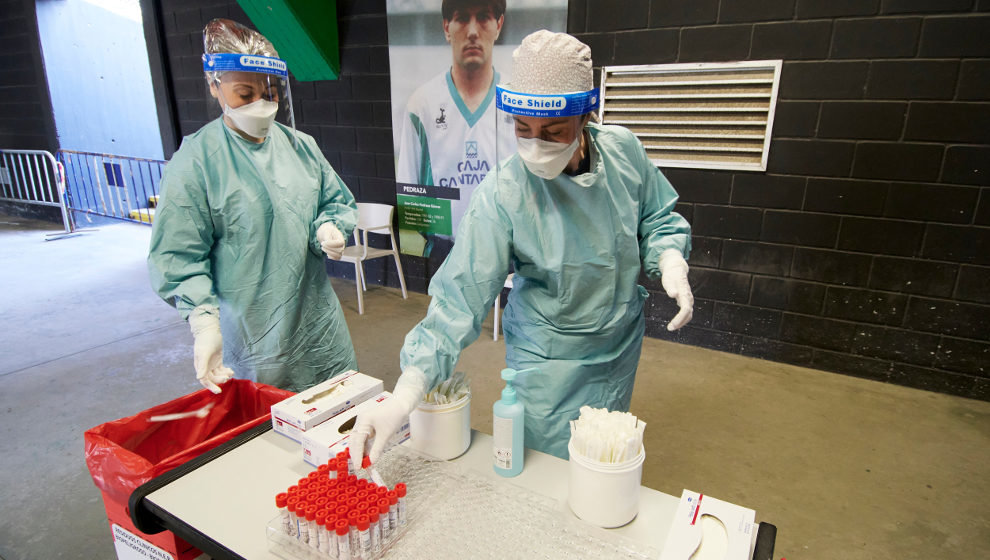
(119, 187)
(34, 177)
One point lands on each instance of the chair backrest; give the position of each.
(373, 216)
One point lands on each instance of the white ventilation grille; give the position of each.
(707, 115)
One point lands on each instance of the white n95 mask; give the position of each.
(254, 119)
(545, 159)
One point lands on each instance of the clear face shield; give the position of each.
(251, 91)
(547, 127)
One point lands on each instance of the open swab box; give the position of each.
(299, 414)
(705, 528)
(333, 436)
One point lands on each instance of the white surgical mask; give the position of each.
(546, 159)
(254, 119)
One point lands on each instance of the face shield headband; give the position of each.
(256, 119)
(225, 62)
(546, 105)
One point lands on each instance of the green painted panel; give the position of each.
(304, 33)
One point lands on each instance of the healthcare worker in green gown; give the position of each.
(248, 208)
(577, 212)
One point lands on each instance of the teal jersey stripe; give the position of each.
(469, 117)
(425, 167)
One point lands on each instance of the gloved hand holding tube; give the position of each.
(673, 277)
(331, 240)
(386, 418)
(204, 322)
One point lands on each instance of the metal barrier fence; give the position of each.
(120, 187)
(34, 177)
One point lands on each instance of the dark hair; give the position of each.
(450, 6)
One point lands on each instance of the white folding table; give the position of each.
(222, 501)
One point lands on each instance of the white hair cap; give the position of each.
(548, 63)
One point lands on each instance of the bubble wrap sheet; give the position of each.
(455, 514)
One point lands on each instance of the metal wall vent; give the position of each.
(705, 115)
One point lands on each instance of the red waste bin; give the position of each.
(126, 453)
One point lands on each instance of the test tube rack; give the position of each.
(454, 514)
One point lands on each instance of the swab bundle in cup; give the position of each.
(607, 436)
(450, 391)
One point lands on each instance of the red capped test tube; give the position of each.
(393, 509)
(321, 531)
(386, 524)
(352, 521)
(311, 525)
(376, 527)
(331, 523)
(282, 503)
(342, 530)
(400, 490)
(301, 521)
(364, 535)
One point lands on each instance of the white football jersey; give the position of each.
(444, 144)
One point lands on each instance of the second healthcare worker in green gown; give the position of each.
(248, 208)
(578, 211)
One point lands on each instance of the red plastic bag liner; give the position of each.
(126, 453)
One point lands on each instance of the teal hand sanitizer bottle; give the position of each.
(507, 428)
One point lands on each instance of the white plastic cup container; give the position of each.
(441, 430)
(604, 494)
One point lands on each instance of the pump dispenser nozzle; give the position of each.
(509, 393)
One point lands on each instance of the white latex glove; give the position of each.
(673, 277)
(331, 240)
(386, 418)
(204, 322)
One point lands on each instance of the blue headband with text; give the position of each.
(224, 62)
(546, 105)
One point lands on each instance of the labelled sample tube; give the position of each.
(352, 520)
(311, 525)
(386, 524)
(321, 531)
(364, 536)
(301, 521)
(376, 528)
(342, 530)
(282, 503)
(331, 523)
(393, 509)
(400, 491)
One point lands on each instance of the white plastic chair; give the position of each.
(498, 305)
(374, 218)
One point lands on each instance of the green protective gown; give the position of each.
(575, 311)
(236, 227)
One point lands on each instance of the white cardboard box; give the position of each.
(300, 413)
(332, 436)
(713, 528)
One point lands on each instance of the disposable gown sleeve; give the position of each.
(337, 205)
(660, 228)
(463, 290)
(181, 240)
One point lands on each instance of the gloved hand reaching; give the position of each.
(204, 321)
(331, 240)
(673, 277)
(385, 419)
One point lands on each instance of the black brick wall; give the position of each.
(26, 121)
(865, 247)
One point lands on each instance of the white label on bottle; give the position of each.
(502, 437)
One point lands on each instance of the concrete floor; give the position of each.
(845, 468)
